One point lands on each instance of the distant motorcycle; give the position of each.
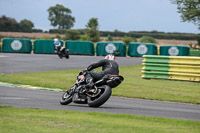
(94, 97)
(61, 51)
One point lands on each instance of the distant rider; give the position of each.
(57, 45)
(60, 50)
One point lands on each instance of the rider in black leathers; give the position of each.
(109, 66)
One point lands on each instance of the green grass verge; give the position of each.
(47, 121)
(133, 86)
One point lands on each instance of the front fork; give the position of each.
(82, 90)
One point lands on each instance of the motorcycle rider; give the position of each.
(109, 67)
(58, 47)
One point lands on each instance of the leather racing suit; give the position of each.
(108, 67)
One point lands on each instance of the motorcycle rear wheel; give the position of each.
(66, 98)
(99, 100)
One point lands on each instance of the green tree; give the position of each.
(26, 25)
(72, 35)
(61, 17)
(109, 38)
(84, 38)
(147, 39)
(58, 36)
(127, 39)
(92, 30)
(189, 9)
(8, 24)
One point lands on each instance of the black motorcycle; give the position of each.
(95, 96)
(61, 51)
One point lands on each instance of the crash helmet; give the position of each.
(55, 39)
(110, 57)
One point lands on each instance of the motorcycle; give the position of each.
(95, 96)
(61, 51)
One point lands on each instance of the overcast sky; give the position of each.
(123, 15)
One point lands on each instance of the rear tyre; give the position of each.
(101, 98)
(66, 98)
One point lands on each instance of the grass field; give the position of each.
(15, 120)
(133, 86)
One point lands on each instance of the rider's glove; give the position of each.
(85, 72)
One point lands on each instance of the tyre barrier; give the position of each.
(80, 47)
(171, 67)
(115, 48)
(173, 50)
(15, 45)
(44, 46)
(140, 49)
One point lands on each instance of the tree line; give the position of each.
(10, 24)
(137, 34)
(61, 18)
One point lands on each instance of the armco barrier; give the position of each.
(80, 47)
(171, 67)
(15, 45)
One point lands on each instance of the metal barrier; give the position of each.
(171, 67)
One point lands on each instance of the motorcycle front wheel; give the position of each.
(60, 55)
(66, 54)
(104, 95)
(66, 98)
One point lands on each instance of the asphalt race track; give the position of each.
(28, 98)
(23, 63)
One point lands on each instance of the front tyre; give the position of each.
(60, 55)
(66, 54)
(66, 98)
(101, 98)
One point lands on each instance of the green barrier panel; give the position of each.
(44, 46)
(140, 49)
(115, 48)
(171, 67)
(15, 45)
(194, 52)
(175, 50)
(0, 46)
(80, 47)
